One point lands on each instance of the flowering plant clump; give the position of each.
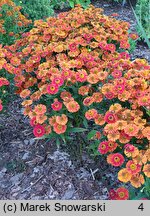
(74, 74)
(3, 81)
(12, 25)
(12, 22)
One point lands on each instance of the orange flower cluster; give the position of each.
(2, 57)
(63, 52)
(67, 67)
(3, 81)
(13, 11)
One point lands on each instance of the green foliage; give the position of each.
(59, 4)
(84, 3)
(143, 12)
(132, 45)
(36, 9)
(136, 194)
(10, 30)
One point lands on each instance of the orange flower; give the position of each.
(91, 114)
(103, 147)
(139, 122)
(52, 120)
(27, 110)
(124, 175)
(146, 170)
(115, 107)
(59, 129)
(140, 158)
(72, 106)
(131, 129)
(124, 138)
(132, 167)
(112, 146)
(146, 132)
(48, 129)
(110, 117)
(110, 128)
(120, 125)
(92, 78)
(65, 95)
(98, 97)
(41, 119)
(83, 90)
(26, 103)
(99, 119)
(147, 154)
(115, 159)
(38, 130)
(122, 194)
(40, 109)
(81, 76)
(25, 93)
(15, 61)
(59, 48)
(62, 120)
(88, 101)
(106, 88)
(113, 136)
(137, 180)
(124, 96)
(131, 151)
(102, 75)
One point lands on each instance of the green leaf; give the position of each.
(132, 193)
(63, 138)
(58, 142)
(39, 138)
(94, 148)
(85, 3)
(71, 3)
(85, 123)
(140, 26)
(91, 134)
(139, 196)
(76, 130)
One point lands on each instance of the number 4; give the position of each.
(141, 207)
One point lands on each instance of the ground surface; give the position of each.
(31, 169)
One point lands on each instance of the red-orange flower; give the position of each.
(59, 129)
(88, 101)
(146, 170)
(40, 109)
(99, 119)
(1, 107)
(115, 159)
(112, 146)
(91, 114)
(72, 106)
(52, 89)
(124, 175)
(110, 117)
(103, 147)
(132, 167)
(56, 105)
(38, 130)
(122, 194)
(131, 129)
(62, 120)
(137, 180)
